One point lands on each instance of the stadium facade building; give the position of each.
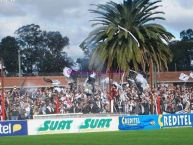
(39, 81)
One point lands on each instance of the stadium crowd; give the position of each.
(24, 103)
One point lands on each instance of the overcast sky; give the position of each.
(71, 17)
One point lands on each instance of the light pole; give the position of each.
(2, 90)
(19, 62)
(191, 61)
(151, 85)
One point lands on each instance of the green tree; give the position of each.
(9, 52)
(126, 36)
(43, 49)
(182, 52)
(187, 35)
(30, 39)
(55, 58)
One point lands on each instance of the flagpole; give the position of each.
(110, 91)
(151, 85)
(2, 91)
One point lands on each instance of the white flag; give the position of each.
(67, 71)
(1, 66)
(93, 75)
(141, 79)
(56, 82)
(117, 85)
(106, 80)
(58, 89)
(191, 74)
(184, 77)
(191, 63)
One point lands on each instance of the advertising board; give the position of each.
(138, 122)
(175, 120)
(155, 121)
(12, 128)
(72, 125)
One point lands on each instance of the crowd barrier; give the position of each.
(94, 124)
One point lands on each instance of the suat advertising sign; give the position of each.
(175, 120)
(96, 123)
(50, 125)
(138, 122)
(12, 128)
(74, 125)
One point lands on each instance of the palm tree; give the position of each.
(126, 37)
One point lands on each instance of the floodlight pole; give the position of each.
(19, 62)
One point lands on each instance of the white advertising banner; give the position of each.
(72, 125)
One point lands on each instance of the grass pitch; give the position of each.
(175, 136)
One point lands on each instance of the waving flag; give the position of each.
(106, 80)
(67, 71)
(56, 82)
(1, 66)
(93, 75)
(191, 74)
(142, 80)
(117, 85)
(184, 77)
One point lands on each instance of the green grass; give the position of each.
(175, 136)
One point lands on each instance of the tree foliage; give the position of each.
(125, 36)
(186, 35)
(42, 49)
(9, 50)
(182, 51)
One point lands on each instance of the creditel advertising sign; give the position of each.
(138, 122)
(12, 128)
(73, 125)
(175, 120)
(155, 121)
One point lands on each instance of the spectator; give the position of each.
(24, 103)
(14, 112)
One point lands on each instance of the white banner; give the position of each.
(72, 125)
(184, 77)
(67, 71)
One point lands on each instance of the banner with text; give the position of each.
(155, 121)
(138, 122)
(175, 120)
(72, 125)
(12, 128)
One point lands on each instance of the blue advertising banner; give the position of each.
(138, 122)
(175, 120)
(11, 128)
